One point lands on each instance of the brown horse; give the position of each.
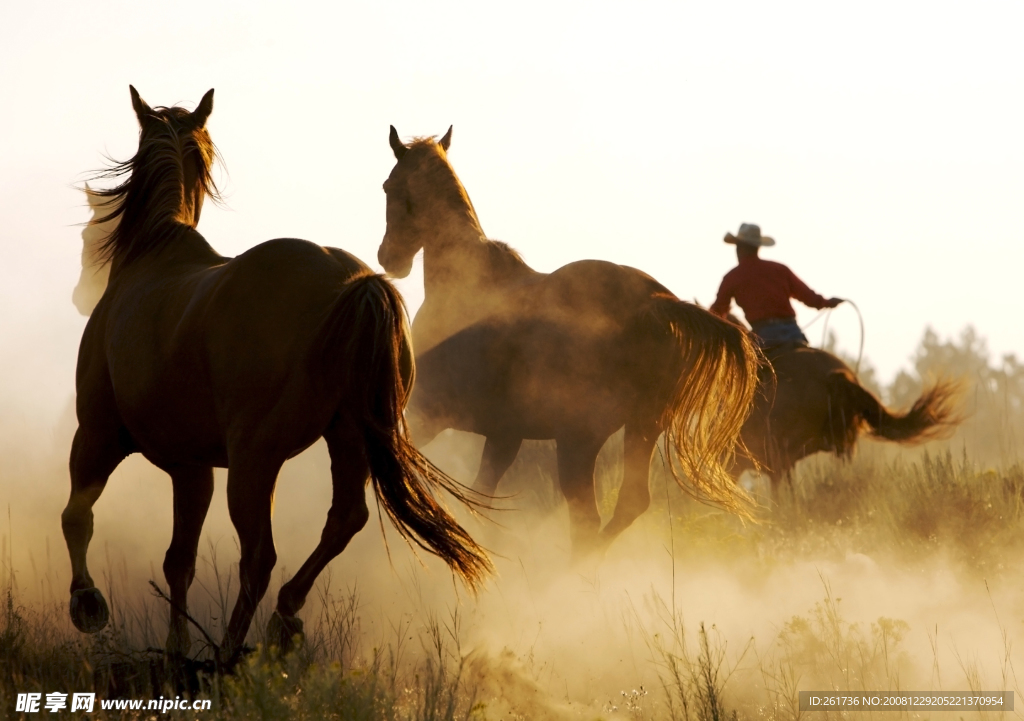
(196, 360)
(574, 355)
(814, 403)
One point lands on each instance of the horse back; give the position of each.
(800, 408)
(574, 348)
(804, 363)
(585, 292)
(597, 287)
(198, 352)
(266, 307)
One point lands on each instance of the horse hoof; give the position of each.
(283, 630)
(179, 642)
(89, 610)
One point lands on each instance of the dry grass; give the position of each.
(908, 510)
(325, 679)
(961, 508)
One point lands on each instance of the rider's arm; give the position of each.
(724, 300)
(800, 290)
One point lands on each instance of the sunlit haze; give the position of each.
(878, 143)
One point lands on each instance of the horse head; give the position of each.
(167, 180)
(197, 148)
(426, 203)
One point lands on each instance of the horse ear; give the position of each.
(142, 109)
(447, 139)
(202, 113)
(93, 198)
(396, 144)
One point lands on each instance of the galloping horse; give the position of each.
(512, 354)
(197, 360)
(814, 403)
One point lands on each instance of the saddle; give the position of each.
(775, 350)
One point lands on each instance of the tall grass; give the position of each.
(945, 502)
(326, 678)
(876, 504)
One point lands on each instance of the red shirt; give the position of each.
(762, 288)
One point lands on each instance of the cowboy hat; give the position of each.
(749, 234)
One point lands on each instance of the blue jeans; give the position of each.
(776, 331)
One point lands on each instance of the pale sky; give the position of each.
(879, 143)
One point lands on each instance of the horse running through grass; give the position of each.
(512, 354)
(196, 360)
(814, 403)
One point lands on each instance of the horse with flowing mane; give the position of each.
(512, 354)
(814, 403)
(196, 360)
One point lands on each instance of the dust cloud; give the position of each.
(549, 640)
(860, 579)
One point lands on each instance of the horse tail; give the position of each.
(715, 377)
(367, 335)
(934, 414)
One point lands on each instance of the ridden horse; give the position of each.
(814, 403)
(196, 360)
(512, 354)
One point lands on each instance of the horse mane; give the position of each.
(92, 281)
(504, 258)
(500, 247)
(150, 201)
(424, 152)
(427, 155)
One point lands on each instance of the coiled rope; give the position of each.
(827, 313)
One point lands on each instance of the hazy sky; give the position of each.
(880, 143)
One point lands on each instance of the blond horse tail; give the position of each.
(715, 382)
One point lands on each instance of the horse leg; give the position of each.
(499, 454)
(422, 428)
(251, 481)
(347, 515)
(577, 457)
(635, 492)
(783, 477)
(94, 456)
(193, 490)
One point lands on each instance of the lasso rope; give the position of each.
(827, 313)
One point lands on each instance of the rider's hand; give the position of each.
(833, 302)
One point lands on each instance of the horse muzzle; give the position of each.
(394, 267)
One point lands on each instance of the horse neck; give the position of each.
(186, 250)
(465, 262)
(164, 235)
(452, 258)
(464, 282)
(160, 202)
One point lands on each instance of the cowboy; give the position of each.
(762, 288)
